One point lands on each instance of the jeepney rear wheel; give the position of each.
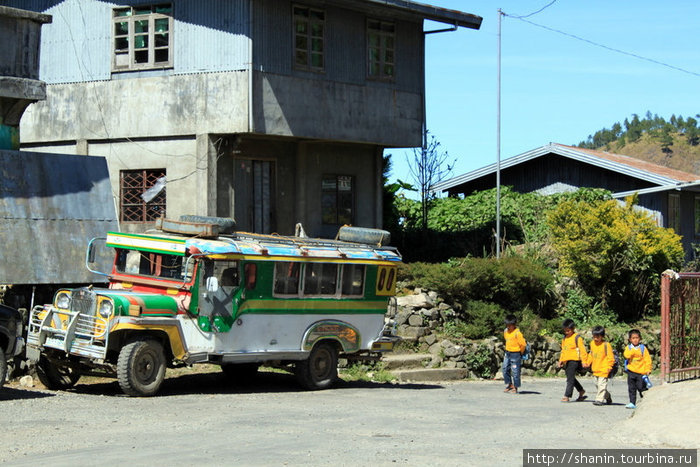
(141, 367)
(320, 370)
(56, 377)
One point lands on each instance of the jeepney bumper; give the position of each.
(385, 344)
(71, 332)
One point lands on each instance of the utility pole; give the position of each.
(498, 143)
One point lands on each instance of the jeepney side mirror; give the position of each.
(212, 284)
(91, 253)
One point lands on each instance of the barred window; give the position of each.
(142, 37)
(309, 27)
(337, 199)
(136, 204)
(380, 49)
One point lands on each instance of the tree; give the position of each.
(429, 166)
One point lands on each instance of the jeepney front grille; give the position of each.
(83, 301)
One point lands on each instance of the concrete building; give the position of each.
(273, 112)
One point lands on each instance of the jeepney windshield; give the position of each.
(158, 265)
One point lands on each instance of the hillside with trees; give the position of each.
(674, 143)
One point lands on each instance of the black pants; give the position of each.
(571, 367)
(635, 383)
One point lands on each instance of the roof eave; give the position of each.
(433, 13)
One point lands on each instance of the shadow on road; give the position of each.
(216, 383)
(526, 393)
(7, 394)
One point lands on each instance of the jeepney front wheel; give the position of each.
(320, 370)
(141, 367)
(56, 377)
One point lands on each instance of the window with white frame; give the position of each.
(309, 30)
(142, 37)
(674, 212)
(380, 49)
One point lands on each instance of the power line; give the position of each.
(534, 12)
(612, 49)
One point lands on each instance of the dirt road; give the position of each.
(200, 420)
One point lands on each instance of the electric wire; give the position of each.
(612, 49)
(534, 12)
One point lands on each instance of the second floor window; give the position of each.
(309, 26)
(142, 195)
(380, 49)
(142, 37)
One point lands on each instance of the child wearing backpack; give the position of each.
(638, 366)
(601, 359)
(573, 356)
(512, 359)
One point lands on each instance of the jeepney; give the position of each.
(199, 292)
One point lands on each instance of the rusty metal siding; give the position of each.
(51, 205)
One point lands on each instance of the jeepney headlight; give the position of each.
(63, 300)
(106, 308)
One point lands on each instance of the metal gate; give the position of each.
(680, 326)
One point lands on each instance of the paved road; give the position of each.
(200, 420)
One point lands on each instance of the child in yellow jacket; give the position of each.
(601, 359)
(573, 356)
(512, 359)
(638, 366)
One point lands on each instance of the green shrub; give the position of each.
(512, 283)
(479, 361)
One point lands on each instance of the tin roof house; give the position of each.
(671, 196)
(273, 112)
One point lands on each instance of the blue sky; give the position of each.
(555, 88)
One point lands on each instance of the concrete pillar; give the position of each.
(82, 147)
(379, 187)
(205, 165)
(301, 182)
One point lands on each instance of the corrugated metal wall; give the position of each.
(208, 36)
(345, 47)
(51, 205)
(212, 36)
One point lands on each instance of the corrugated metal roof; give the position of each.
(619, 163)
(51, 205)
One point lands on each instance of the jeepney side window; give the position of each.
(320, 278)
(251, 272)
(227, 273)
(286, 281)
(353, 279)
(143, 263)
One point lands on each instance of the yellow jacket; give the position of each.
(573, 348)
(638, 361)
(601, 358)
(515, 342)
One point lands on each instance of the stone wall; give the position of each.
(420, 318)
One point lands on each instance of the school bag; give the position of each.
(629, 346)
(616, 366)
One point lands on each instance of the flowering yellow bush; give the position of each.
(615, 252)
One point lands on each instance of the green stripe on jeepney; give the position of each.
(313, 306)
(149, 304)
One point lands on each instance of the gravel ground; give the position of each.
(200, 420)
